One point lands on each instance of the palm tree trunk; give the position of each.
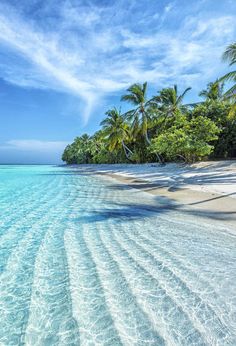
(126, 149)
(144, 118)
(149, 142)
(182, 157)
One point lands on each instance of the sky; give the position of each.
(63, 63)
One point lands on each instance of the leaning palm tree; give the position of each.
(230, 56)
(116, 131)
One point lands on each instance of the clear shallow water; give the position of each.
(86, 262)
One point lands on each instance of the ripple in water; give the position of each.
(83, 262)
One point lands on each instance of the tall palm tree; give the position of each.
(116, 131)
(230, 56)
(137, 96)
(141, 116)
(169, 101)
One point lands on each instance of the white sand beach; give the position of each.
(211, 177)
(207, 187)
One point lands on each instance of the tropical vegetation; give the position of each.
(165, 128)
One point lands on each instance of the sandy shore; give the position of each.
(208, 188)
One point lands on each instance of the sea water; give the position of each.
(86, 261)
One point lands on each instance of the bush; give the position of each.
(190, 139)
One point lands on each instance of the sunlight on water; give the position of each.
(84, 261)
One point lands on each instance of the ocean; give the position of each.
(87, 261)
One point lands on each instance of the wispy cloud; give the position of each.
(33, 145)
(92, 50)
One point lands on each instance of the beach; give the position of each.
(207, 188)
(118, 173)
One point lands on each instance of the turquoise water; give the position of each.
(84, 261)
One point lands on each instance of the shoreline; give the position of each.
(221, 208)
(205, 203)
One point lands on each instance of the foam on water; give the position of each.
(84, 261)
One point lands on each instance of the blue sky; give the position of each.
(63, 63)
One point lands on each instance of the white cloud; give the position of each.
(92, 51)
(33, 145)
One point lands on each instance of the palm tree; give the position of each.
(140, 115)
(83, 148)
(214, 92)
(137, 96)
(169, 101)
(116, 131)
(230, 56)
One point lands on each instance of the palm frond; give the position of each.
(193, 104)
(130, 115)
(231, 92)
(144, 89)
(136, 94)
(105, 122)
(176, 89)
(181, 97)
(230, 54)
(203, 93)
(130, 98)
(230, 76)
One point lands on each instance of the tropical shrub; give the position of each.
(187, 139)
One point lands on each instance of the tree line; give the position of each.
(165, 128)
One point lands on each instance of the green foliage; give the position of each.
(169, 101)
(189, 139)
(139, 116)
(230, 56)
(163, 127)
(116, 131)
(222, 114)
(214, 91)
(79, 151)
